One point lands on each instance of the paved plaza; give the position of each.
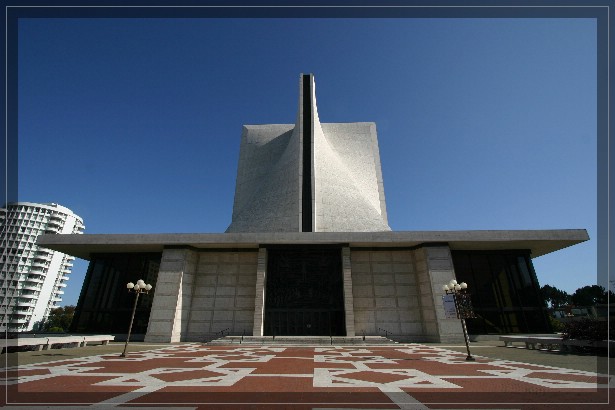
(200, 376)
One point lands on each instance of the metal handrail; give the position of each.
(386, 332)
(221, 332)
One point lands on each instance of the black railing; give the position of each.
(386, 333)
(221, 332)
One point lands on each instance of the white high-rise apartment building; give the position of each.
(32, 278)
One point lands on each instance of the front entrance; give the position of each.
(304, 292)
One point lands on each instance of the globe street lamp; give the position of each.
(138, 288)
(463, 307)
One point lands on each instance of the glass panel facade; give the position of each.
(105, 305)
(304, 292)
(505, 292)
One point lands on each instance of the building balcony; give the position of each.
(57, 216)
(54, 225)
(35, 279)
(30, 286)
(55, 222)
(15, 321)
(35, 275)
(43, 255)
(40, 264)
(29, 303)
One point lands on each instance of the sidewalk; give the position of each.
(409, 376)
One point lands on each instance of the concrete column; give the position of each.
(439, 264)
(168, 319)
(259, 299)
(348, 298)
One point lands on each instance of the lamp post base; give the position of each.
(470, 359)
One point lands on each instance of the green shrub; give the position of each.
(55, 329)
(586, 329)
(556, 325)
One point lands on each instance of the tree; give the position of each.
(554, 297)
(591, 295)
(60, 318)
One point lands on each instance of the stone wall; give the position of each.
(385, 293)
(199, 293)
(400, 291)
(223, 294)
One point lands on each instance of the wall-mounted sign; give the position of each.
(449, 307)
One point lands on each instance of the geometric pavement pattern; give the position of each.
(197, 376)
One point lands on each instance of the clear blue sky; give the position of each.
(135, 124)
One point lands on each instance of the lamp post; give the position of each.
(461, 297)
(138, 288)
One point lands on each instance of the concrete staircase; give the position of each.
(302, 340)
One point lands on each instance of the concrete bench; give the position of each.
(46, 343)
(72, 341)
(568, 344)
(553, 342)
(509, 340)
(39, 342)
(532, 341)
(548, 343)
(99, 339)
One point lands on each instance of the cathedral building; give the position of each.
(309, 251)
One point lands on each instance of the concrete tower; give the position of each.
(32, 278)
(308, 176)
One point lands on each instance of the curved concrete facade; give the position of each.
(268, 181)
(345, 179)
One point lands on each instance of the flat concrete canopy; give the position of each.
(539, 242)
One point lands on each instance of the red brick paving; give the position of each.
(244, 377)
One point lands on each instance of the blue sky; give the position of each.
(135, 124)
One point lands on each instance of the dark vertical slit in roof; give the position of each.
(306, 203)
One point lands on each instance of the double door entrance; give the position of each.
(304, 292)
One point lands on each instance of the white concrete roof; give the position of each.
(539, 242)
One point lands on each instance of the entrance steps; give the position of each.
(303, 340)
